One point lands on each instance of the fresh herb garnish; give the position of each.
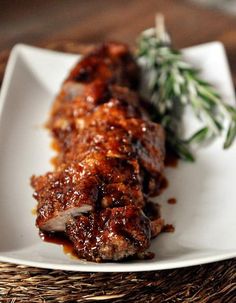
(173, 84)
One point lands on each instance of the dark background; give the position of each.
(93, 21)
(89, 21)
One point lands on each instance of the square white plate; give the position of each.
(205, 213)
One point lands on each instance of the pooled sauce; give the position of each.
(171, 159)
(171, 201)
(59, 238)
(54, 237)
(163, 184)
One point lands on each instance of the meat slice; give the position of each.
(111, 234)
(93, 183)
(145, 137)
(93, 81)
(110, 152)
(69, 118)
(61, 194)
(118, 128)
(109, 139)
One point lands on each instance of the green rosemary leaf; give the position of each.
(232, 111)
(200, 136)
(183, 152)
(231, 134)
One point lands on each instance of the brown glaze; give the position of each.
(59, 238)
(111, 234)
(60, 192)
(171, 201)
(163, 184)
(171, 159)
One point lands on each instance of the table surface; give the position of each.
(57, 25)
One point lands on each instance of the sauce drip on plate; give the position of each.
(59, 238)
(171, 201)
(171, 159)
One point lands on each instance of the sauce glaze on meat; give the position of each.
(110, 160)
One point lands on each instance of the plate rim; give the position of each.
(129, 267)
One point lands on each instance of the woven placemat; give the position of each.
(209, 283)
(214, 282)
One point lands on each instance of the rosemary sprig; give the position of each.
(172, 84)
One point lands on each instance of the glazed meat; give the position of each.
(111, 234)
(62, 194)
(110, 160)
(94, 183)
(93, 81)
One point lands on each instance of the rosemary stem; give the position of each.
(173, 84)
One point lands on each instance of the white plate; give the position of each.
(205, 213)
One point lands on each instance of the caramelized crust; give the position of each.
(112, 234)
(111, 63)
(61, 194)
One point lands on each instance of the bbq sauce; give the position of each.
(171, 159)
(163, 184)
(171, 201)
(59, 238)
